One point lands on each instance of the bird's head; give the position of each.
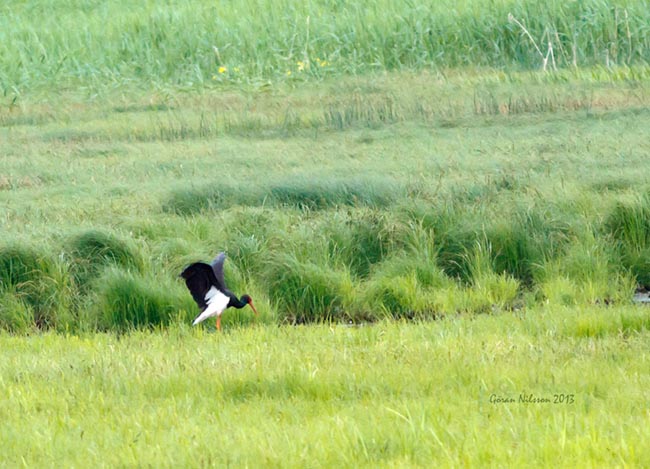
(249, 300)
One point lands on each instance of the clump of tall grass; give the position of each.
(246, 252)
(489, 291)
(321, 193)
(405, 284)
(92, 250)
(306, 291)
(521, 242)
(394, 296)
(189, 201)
(20, 264)
(16, 315)
(304, 193)
(404, 287)
(418, 257)
(249, 234)
(126, 300)
(412, 284)
(361, 239)
(520, 239)
(33, 284)
(454, 228)
(629, 224)
(588, 271)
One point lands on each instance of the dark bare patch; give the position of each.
(143, 108)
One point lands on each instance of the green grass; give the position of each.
(196, 44)
(454, 218)
(392, 394)
(91, 250)
(629, 223)
(310, 194)
(439, 211)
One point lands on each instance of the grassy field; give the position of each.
(392, 394)
(432, 215)
(88, 43)
(410, 195)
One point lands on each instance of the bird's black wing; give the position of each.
(199, 278)
(217, 267)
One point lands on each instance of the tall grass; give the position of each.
(362, 239)
(308, 292)
(91, 250)
(476, 193)
(196, 43)
(35, 290)
(306, 192)
(129, 301)
(411, 260)
(629, 224)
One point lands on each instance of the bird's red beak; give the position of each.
(254, 310)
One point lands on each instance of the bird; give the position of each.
(208, 288)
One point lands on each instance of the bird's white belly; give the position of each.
(217, 303)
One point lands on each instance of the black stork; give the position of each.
(208, 288)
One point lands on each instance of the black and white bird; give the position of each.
(208, 288)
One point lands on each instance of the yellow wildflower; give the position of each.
(222, 69)
(288, 73)
(301, 65)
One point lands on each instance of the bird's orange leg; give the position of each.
(219, 323)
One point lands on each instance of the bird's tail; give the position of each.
(200, 318)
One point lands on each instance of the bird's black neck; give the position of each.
(238, 302)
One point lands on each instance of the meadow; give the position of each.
(394, 394)
(348, 201)
(89, 44)
(437, 207)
